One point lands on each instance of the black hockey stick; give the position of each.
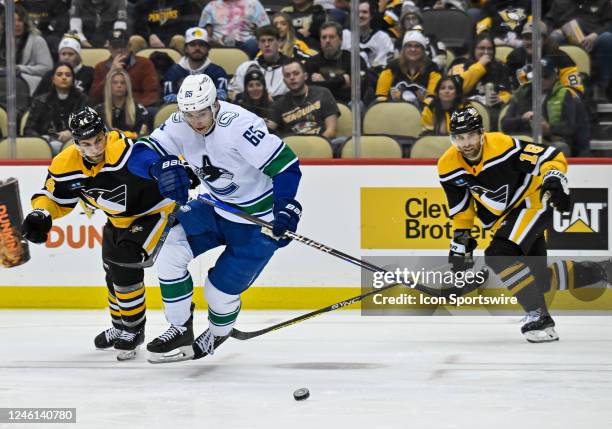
(240, 335)
(148, 262)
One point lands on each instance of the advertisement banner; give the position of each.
(409, 218)
(13, 250)
(585, 226)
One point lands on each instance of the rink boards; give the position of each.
(361, 207)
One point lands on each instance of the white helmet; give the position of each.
(197, 92)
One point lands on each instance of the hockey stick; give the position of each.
(309, 242)
(148, 262)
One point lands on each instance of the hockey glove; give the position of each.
(287, 214)
(555, 185)
(461, 248)
(36, 226)
(172, 179)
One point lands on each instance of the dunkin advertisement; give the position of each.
(14, 250)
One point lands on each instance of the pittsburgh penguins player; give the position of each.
(502, 181)
(94, 170)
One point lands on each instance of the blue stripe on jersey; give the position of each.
(269, 160)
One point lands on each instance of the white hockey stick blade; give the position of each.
(177, 355)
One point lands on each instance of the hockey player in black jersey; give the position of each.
(94, 170)
(513, 187)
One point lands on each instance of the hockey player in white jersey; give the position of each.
(231, 152)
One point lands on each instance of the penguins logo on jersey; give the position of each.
(497, 199)
(585, 225)
(223, 178)
(111, 201)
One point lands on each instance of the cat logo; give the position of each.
(585, 226)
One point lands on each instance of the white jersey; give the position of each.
(235, 161)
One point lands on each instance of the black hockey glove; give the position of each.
(461, 248)
(287, 213)
(554, 185)
(36, 226)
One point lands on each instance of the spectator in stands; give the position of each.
(119, 110)
(331, 68)
(589, 24)
(162, 23)
(412, 19)
(504, 20)
(435, 118)
(305, 109)
(290, 45)
(307, 19)
(565, 122)
(376, 46)
(485, 79)
(195, 61)
(50, 17)
(69, 52)
(94, 20)
(255, 97)
(49, 113)
(412, 77)
(269, 61)
(519, 57)
(32, 54)
(233, 23)
(143, 77)
(443, 4)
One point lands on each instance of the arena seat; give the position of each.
(377, 146)
(430, 147)
(172, 53)
(454, 27)
(93, 56)
(309, 146)
(27, 147)
(228, 58)
(392, 118)
(345, 121)
(164, 113)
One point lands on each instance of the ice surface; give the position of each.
(362, 372)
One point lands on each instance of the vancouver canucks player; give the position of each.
(241, 164)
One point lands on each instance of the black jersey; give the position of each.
(108, 186)
(509, 173)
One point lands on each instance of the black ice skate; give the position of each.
(106, 339)
(174, 345)
(540, 327)
(206, 344)
(128, 343)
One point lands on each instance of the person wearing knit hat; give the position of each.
(413, 76)
(69, 51)
(255, 97)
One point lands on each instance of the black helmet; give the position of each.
(85, 123)
(465, 120)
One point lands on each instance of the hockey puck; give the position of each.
(301, 394)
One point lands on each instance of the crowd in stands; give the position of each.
(299, 62)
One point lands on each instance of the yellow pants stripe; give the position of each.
(511, 269)
(522, 285)
(134, 311)
(130, 295)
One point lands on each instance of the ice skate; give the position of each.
(128, 343)
(174, 345)
(206, 344)
(106, 339)
(539, 327)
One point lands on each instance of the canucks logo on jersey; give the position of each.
(223, 178)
